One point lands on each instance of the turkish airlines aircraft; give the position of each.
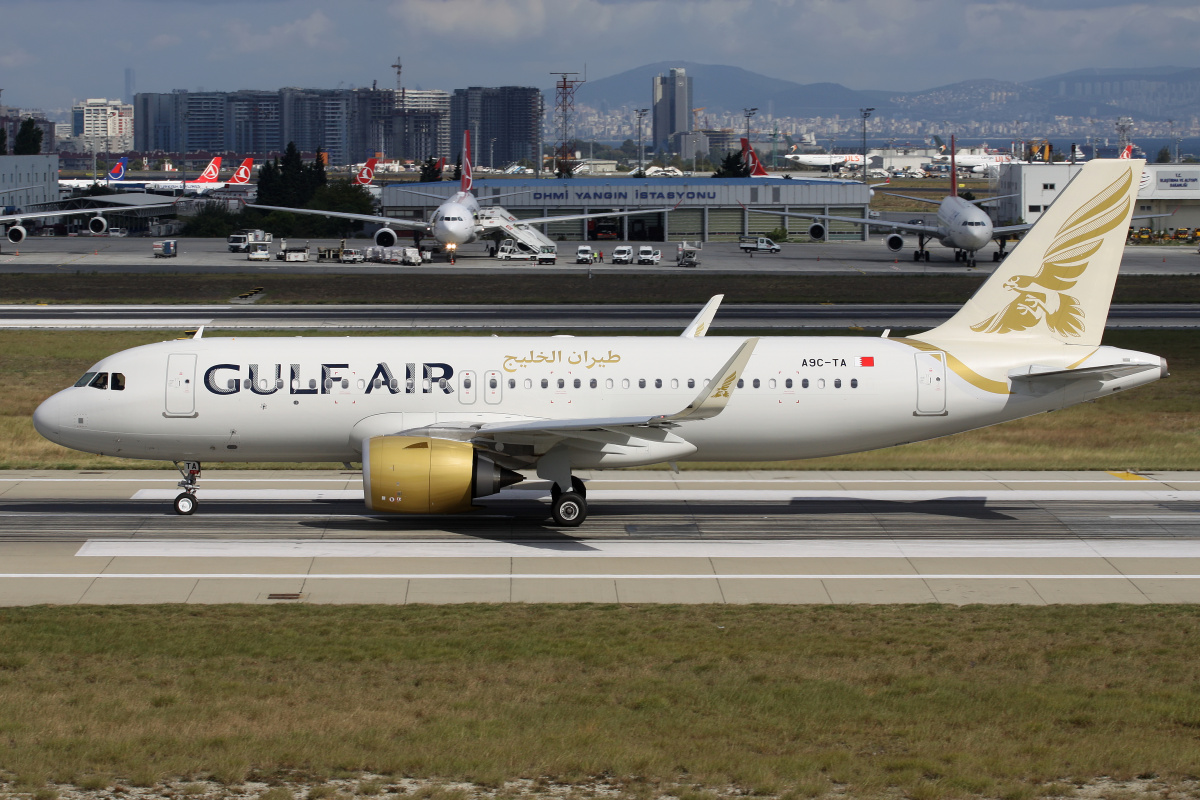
(961, 224)
(208, 180)
(438, 422)
(366, 174)
(457, 221)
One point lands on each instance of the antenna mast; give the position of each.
(564, 109)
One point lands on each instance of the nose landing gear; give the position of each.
(185, 502)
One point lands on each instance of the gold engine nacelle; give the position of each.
(423, 475)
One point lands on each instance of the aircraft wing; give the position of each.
(711, 400)
(391, 222)
(567, 217)
(870, 223)
(80, 212)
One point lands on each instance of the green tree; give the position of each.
(29, 139)
(732, 166)
(268, 184)
(314, 176)
(429, 171)
(340, 196)
(293, 178)
(212, 221)
(1164, 156)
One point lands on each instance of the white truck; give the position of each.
(547, 254)
(240, 241)
(510, 251)
(757, 244)
(622, 254)
(352, 256)
(259, 251)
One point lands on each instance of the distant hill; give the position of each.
(1149, 93)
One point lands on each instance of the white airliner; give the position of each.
(457, 221)
(438, 422)
(826, 160)
(207, 181)
(972, 162)
(757, 170)
(15, 230)
(961, 224)
(114, 176)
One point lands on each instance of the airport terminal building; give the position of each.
(1027, 190)
(704, 209)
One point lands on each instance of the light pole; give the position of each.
(748, 113)
(492, 153)
(866, 112)
(641, 113)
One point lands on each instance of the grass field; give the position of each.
(165, 288)
(1156, 427)
(864, 702)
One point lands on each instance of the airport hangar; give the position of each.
(703, 209)
(1027, 190)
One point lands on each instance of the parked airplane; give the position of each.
(438, 422)
(115, 175)
(973, 162)
(961, 224)
(757, 170)
(209, 178)
(366, 175)
(826, 160)
(14, 224)
(456, 221)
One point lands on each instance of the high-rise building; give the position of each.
(422, 124)
(505, 124)
(104, 125)
(672, 96)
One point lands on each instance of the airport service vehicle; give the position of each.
(292, 253)
(757, 244)
(457, 220)
(168, 248)
(410, 256)
(645, 254)
(584, 255)
(509, 250)
(259, 251)
(118, 232)
(547, 254)
(240, 241)
(622, 254)
(438, 422)
(352, 255)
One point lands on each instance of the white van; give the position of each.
(645, 254)
(622, 255)
(584, 254)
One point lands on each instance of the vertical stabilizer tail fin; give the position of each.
(751, 159)
(467, 182)
(211, 172)
(241, 175)
(117, 173)
(1057, 284)
(1127, 153)
(367, 173)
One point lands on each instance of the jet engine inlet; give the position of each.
(894, 242)
(16, 234)
(385, 237)
(817, 231)
(97, 224)
(423, 475)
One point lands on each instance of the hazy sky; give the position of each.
(53, 52)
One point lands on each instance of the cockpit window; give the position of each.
(86, 379)
(100, 381)
(118, 382)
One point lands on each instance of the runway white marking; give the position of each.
(354, 476)
(601, 576)
(730, 495)
(618, 548)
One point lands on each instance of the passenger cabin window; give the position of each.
(691, 383)
(741, 383)
(641, 383)
(755, 384)
(787, 383)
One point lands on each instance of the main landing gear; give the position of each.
(569, 508)
(1000, 254)
(185, 502)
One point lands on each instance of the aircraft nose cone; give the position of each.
(47, 419)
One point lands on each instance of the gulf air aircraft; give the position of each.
(438, 422)
(457, 220)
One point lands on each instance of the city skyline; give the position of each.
(55, 53)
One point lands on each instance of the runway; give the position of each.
(535, 318)
(693, 537)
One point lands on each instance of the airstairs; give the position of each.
(527, 237)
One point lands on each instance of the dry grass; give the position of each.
(769, 701)
(1156, 427)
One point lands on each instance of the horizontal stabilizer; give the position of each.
(1041, 374)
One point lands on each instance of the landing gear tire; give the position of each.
(569, 510)
(185, 504)
(926, 254)
(916, 255)
(996, 256)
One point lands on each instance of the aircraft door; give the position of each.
(931, 384)
(466, 387)
(493, 384)
(181, 385)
